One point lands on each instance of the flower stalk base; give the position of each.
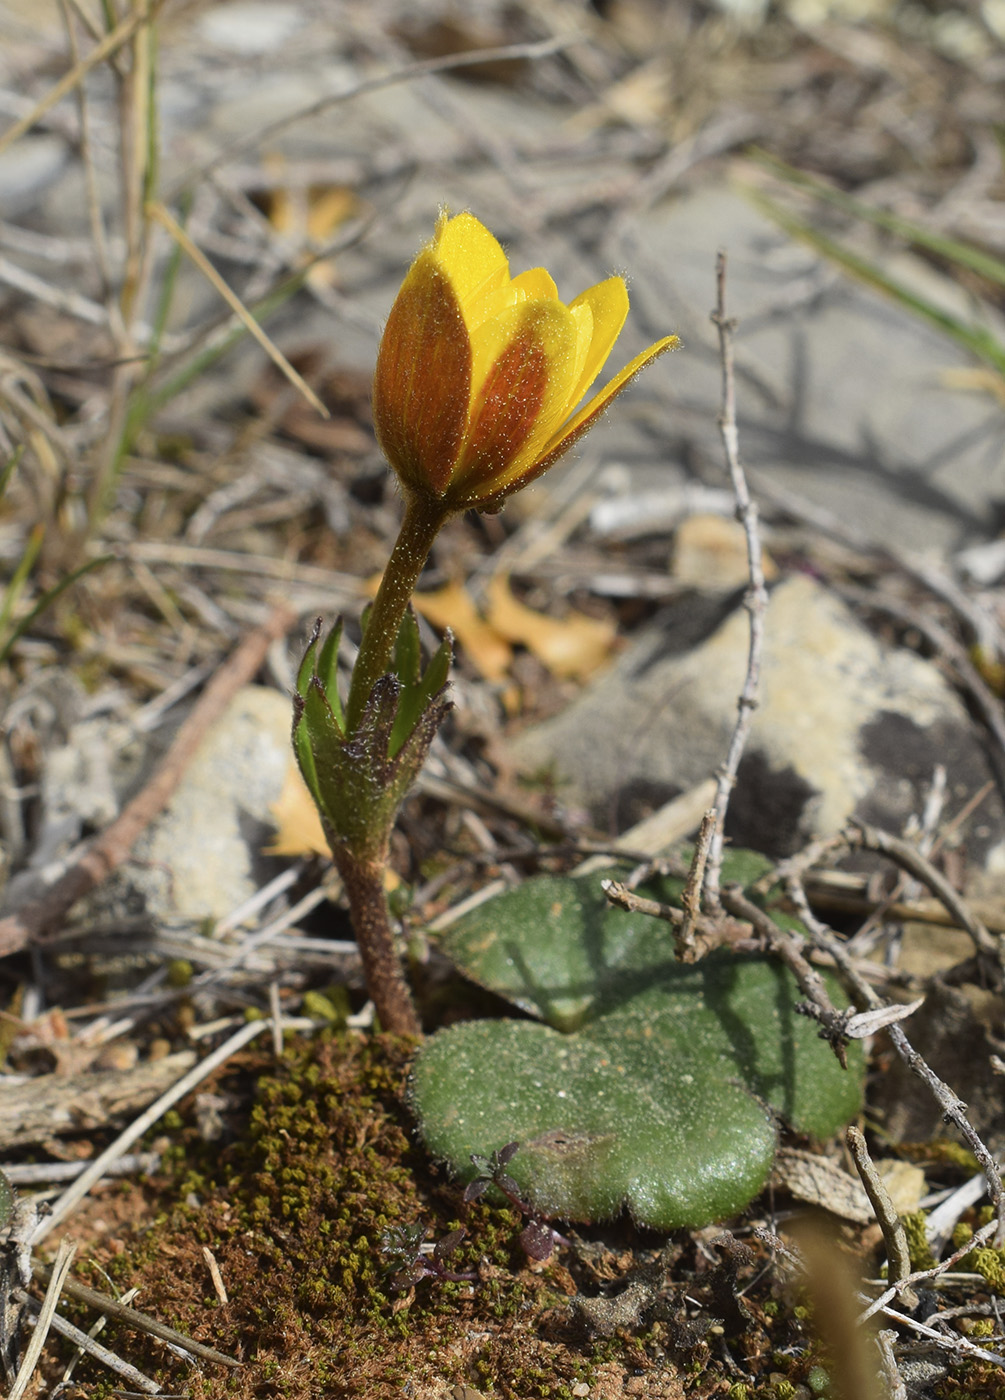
(364, 886)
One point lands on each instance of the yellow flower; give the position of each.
(479, 374)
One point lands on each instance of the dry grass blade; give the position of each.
(88, 1344)
(109, 45)
(168, 222)
(122, 1312)
(64, 1258)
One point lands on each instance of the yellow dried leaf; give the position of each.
(452, 607)
(308, 217)
(298, 826)
(571, 647)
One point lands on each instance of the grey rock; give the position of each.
(843, 397)
(249, 28)
(202, 856)
(844, 725)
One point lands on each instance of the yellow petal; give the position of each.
(529, 357)
(608, 302)
(588, 415)
(473, 260)
(421, 388)
(537, 284)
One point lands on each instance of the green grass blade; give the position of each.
(46, 601)
(963, 254)
(976, 339)
(20, 575)
(151, 400)
(9, 468)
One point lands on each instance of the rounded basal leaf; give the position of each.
(555, 947)
(603, 1122)
(661, 1097)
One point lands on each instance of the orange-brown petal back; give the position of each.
(504, 415)
(422, 382)
(581, 423)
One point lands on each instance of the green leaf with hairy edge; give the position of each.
(602, 1122)
(307, 667)
(6, 1201)
(416, 697)
(407, 661)
(327, 671)
(556, 948)
(305, 758)
(659, 1100)
(438, 670)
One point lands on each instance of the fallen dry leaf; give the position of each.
(298, 827)
(308, 217)
(572, 647)
(452, 607)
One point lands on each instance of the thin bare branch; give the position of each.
(894, 1235)
(756, 600)
(122, 1312)
(789, 948)
(861, 836)
(136, 1378)
(32, 1352)
(952, 1107)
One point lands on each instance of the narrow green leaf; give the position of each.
(48, 598)
(20, 576)
(6, 1201)
(308, 663)
(438, 670)
(963, 254)
(325, 732)
(407, 658)
(976, 339)
(10, 467)
(305, 758)
(327, 671)
(417, 699)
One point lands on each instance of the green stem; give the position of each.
(423, 520)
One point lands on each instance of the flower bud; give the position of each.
(479, 374)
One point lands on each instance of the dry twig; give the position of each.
(894, 1235)
(80, 1339)
(859, 835)
(951, 1105)
(122, 1312)
(756, 600)
(64, 1258)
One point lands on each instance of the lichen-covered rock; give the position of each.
(844, 725)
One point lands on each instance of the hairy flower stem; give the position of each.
(422, 522)
(363, 878)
